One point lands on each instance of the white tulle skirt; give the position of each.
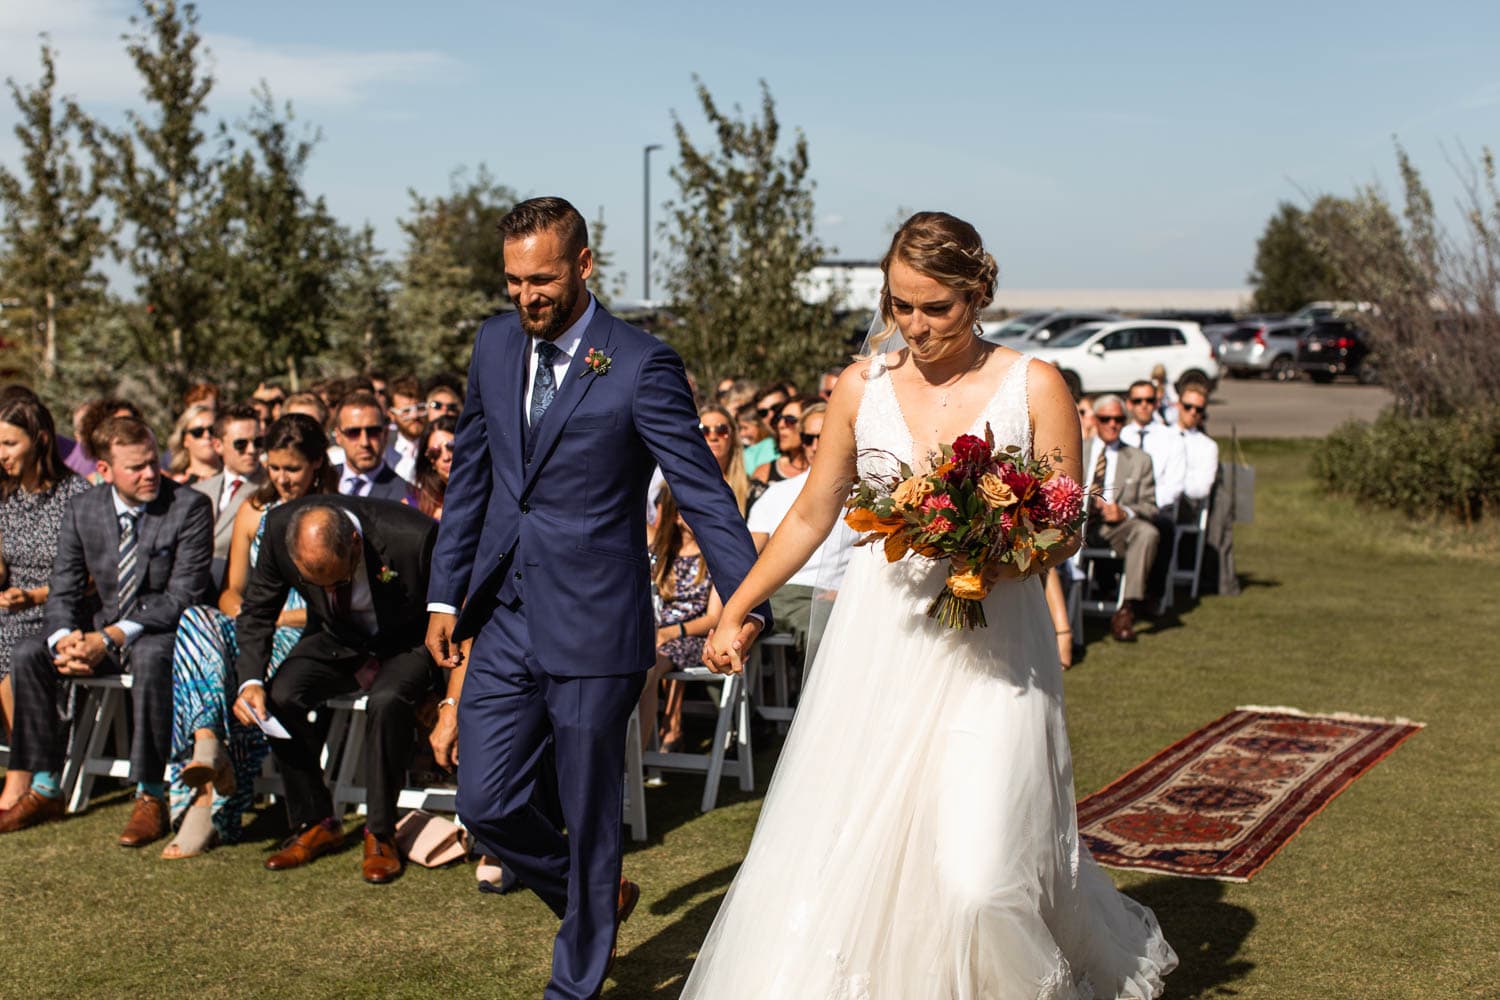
(918, 840)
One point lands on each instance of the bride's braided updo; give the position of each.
(946, 249)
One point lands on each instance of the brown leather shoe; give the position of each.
(630, 894)
(382, 863)
(1122, 625)
(148, 822)
(32, 810)
(300, 848)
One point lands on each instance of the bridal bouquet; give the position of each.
(982, 508)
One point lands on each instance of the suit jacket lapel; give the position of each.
(576, 384)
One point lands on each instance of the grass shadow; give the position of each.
(1206, 931)
(658, 966)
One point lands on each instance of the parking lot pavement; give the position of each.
(1265, 409)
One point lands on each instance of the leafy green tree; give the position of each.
(52, 234)
(607, 282)
(740, 237)
(1289, 270)
(165, 188)
(439, 303)
(361, 332)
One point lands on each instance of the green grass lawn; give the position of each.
(1393, 891)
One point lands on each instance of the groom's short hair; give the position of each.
(550, 213)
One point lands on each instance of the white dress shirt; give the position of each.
(349, 477)
(129, 628)
(1168, 458)
(568, 343)
(1201, 454)
(833, 555)
(401, 456)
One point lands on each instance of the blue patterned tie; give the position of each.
(130, 583)
(544, 385)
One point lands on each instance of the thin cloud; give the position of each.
(1486, 98)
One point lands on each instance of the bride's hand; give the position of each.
(724, 650)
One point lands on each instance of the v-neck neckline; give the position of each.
(973, 426)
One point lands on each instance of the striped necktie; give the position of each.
(130, 578)
(1101, 466)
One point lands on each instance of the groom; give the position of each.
(543, 546)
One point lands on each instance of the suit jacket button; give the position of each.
(518, 574)
(525, 507)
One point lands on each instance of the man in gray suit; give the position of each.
(1120, 515)
(237, 438)
(145, 542)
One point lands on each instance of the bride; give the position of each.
(918, 841)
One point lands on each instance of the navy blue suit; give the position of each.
(543, 546)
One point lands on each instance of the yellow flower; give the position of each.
(969, 585)
(994, 491)
(913, 491)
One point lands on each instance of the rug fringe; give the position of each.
(1341, 716)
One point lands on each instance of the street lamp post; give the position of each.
(646, 232)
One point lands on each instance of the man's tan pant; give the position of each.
(1134, 538)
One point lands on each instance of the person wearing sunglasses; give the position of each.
(190, 447)
(408, 413)
(359, 426)
(268, 398)
(791, 459)
(764, 448)
(445, 396)
(237, 441)
(1145, 431)
(1201, 451)
(1122, 488)
(718, 429)
(434, 465)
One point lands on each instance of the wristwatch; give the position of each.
(110, 646)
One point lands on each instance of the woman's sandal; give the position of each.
(195, 836)
(210, 763)
(494, 877)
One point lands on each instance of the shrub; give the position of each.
(1433, 466)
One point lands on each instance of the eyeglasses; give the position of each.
(435, 453)
(715, 430)
(1138, 400)
(808, 440)
(198, 432)
(437, 406)
(410, 410)
(355, 433)
(786, 420)
(1193, 409)
(245, 444)
(766, 411)
(1109, 420)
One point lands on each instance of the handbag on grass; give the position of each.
(430, 841)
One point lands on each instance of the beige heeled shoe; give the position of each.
(195, 836)
(210, 763)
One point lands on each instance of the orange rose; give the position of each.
(969, 585)
(994, 491)
(913, 491)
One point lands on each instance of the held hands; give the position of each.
(78, 653)
(726, 646)
(445, 652)
(15, 599)
(251, 705)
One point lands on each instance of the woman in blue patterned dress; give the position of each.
(35, 487)
(211, 751)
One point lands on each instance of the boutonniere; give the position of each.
(386, 574)
(597, 361)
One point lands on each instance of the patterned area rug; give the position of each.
(1221, 802)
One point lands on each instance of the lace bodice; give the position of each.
(883, 436)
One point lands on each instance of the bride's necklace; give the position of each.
(952, 383)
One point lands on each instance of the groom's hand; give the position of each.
(724, 652)
(445, 652)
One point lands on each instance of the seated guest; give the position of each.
(791, 606)
(268, 398)
(791, 459)
(210, 749)
(1166, 396)
(408, 411)
(1201, 451)
(768, 404)
(434, 465)
(35, 488)
(749, 427)
(190, 447)
(362, 567)
(146, 543)
(309, 404)
(237, 441)
(717, 427)
(1086, 423)
(1120, 515)
(445, 396)
(739, 392)
(206, 393)
(828, 380)
(380, 386)
(1168, 464)
(361, 432)
(687, 611)
(86, 422)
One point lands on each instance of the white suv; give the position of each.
(1107, 357)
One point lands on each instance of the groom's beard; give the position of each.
(549, 321)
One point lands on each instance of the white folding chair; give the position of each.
(731, 728)
(635, 780)
(1090, 601)
(102, 713)
(1197, 530)
(774, 653)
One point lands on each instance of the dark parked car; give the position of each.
(1038, 328)
(1262, 349)
(1335, 347)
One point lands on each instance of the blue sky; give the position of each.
(1094, 145)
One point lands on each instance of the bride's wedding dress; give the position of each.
(918, 840)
